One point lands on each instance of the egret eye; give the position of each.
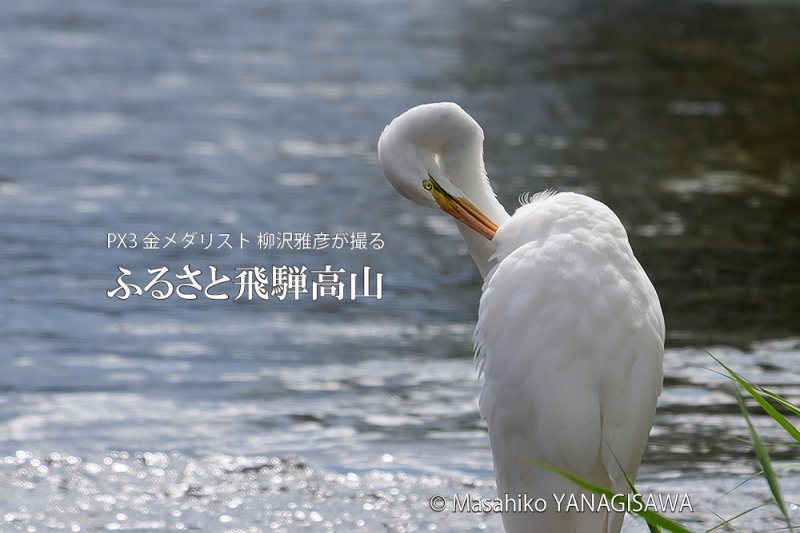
(427, 185)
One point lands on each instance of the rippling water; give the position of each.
(239, 116)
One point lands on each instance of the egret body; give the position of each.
(570, 334)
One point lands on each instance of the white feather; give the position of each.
(570, 334)
(570, 338)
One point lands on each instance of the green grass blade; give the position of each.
(621, 469)
(650, 517)
(789, 406)
(652, 527)
(751, 478)
(729, 520)
(763, 457)
(786, 404)
(779, 418)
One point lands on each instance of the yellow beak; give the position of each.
(461, 209)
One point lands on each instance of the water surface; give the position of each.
(240, 116)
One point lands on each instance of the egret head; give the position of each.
(422, 149)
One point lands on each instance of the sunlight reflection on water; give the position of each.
(236, 117)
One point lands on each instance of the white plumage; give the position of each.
(570, 334)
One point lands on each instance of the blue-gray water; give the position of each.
(247, 116)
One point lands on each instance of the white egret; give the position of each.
(570, 334)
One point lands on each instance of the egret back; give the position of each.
(570, 340)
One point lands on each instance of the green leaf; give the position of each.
(763, 457)
(779, 418)
(650, 516)
(652, 527)
(729, 520)
(789, 406)
(757, 474)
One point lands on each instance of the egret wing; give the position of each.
(570, 342)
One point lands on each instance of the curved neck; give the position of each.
(462, 164)
(443, 141)
(479, 248)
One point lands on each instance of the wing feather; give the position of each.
(570, 343)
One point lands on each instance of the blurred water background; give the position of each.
(248, 116)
